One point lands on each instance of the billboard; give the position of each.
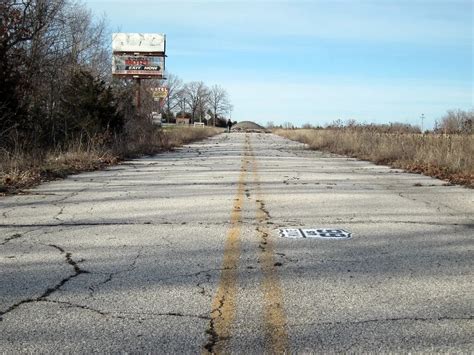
(138, 65)
(138, 55)
(139, 42)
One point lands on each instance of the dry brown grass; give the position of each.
(19, 170)
(449, 157)
(177, 136)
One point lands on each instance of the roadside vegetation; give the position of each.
(20, 170)
(447, 152)
(61, 111)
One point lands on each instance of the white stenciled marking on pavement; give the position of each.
(291, 233)
(321, 233)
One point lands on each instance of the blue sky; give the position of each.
(316, 61)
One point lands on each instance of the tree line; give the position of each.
(452, 122)
(193, 100)
(56, 85)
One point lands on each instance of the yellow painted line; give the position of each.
(224, 301)
(274, 314)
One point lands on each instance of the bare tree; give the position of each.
(175, 87)
(196, 95)
(457, 121)
(288, 125)
(86, 40)
(218, 101)
(181, 102)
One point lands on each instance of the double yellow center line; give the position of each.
(224, 301)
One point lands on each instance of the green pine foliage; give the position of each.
(88, 108)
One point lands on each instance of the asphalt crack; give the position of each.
(5, 213)
(202, 289)
(262, 207)
(125, 315)
(61, 210)
(70, 261)
(438, 205)
(111, 275)
(195, 274)
(287, 258)
(165, 314)
(74, 305)
(213, 336)
(13, 237)
(49, 291)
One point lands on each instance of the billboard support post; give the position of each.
(138, 97)
(138, 56)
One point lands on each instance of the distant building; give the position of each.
(182, 121)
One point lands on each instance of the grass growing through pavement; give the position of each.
(20, 170)
(449, 157)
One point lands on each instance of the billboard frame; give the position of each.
(121, 42)
(133, 52)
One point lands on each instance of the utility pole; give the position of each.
(422, 119)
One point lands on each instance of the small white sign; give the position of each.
(156, 118)
(321, 233)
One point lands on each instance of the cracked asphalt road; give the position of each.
(180, 252)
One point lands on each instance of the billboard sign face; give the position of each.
(138, 55)
(138, 65)
(139, 42)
